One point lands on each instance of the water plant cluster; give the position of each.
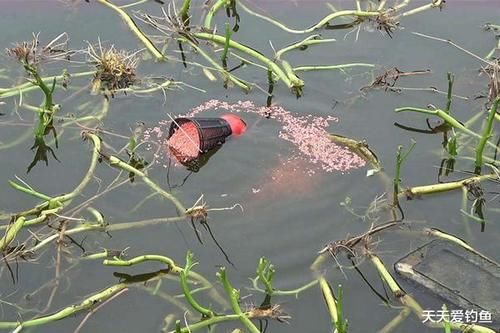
(169, 35)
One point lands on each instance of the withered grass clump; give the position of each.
(115, 70)
(493, 72)
(385, 21)
(30, 53)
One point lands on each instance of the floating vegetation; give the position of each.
(115, 70)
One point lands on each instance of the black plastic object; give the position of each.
(194, 165)
(462, 277)
(212, 131)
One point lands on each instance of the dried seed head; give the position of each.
(31, 53)
(272, 312)
(493, 72)
(115, 70)
(386, 22)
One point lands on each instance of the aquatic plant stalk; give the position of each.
(396, 321)
(184, 11)
(306, 68)
(329, 297)
(238, 82)
(444, 187)
(311, 40)
(117, 163)
(234, 298)
(71, 310)
(400, 158)
(446, 118)
(319, 25)
(135, 29)
(184, 273)
(11, 233)
(173, 267)
(55, 204)
(487, 133)
(212, 11)
(290, 82)
(29, 86)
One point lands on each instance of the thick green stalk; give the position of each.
(211, 13)
(71, 310)
(487, 132)
(444, 187)
(224, 72)
(135, 29)
(11, 233)
(29, 86)
(331, 303)
(245, 49)
(234, 298)
(184, 273)
(148, 257)
(55, 204)
(446, 118)
(117, 163)
(319, 25)
(311, 40)
(330, 67)
(184, 12)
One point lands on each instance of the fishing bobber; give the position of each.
(191, 137)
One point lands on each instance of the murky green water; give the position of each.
(286, 222)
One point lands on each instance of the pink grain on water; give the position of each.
(185, 142)
(306, 132)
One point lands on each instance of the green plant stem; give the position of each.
(184, 12)
(444, 187)
(433, 4)
(29, 86)
(55, 204)
(11, 233)
(240, 83)
(117, 163)
(330, 67)
(211, 13)
(148, 257)
(397, 174)
(184, 273)
(311, 40)
(227, 33)
(329, 297)
(135, 29)
(277, 292)
(86, 304)
(143, 223)
(234, 297)
(29, 190)
(319, 25)
(396, 321)
(449, 95)
(454, 239)
(446, 118)
(245, 49)
(174, 268)
(487, 133)
(96, 141)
